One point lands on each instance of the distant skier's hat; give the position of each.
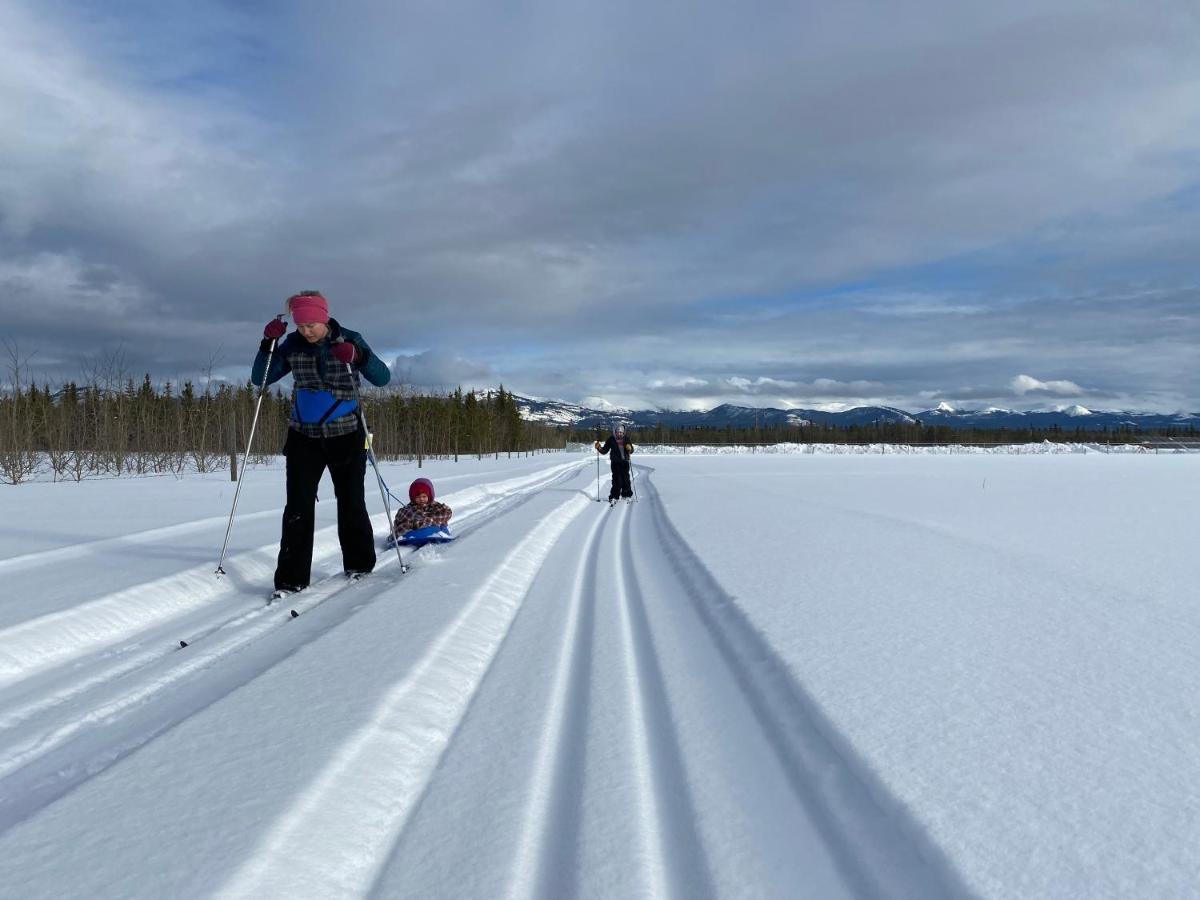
(420, 486)
(618, 429)
(308, 308)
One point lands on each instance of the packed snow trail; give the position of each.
(79, 692)
(890, 685)
(555, 706)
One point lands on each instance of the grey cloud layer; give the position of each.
(868, 349)
(531, 187)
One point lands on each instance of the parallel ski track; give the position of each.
(128, 640)
(105, 546)
(667, 824)
(881, 850)
(357, 808)
(545, 861)
(63, 755)
(663, 855)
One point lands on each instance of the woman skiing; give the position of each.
(325, 431)
(618, 447)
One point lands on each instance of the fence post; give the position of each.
(231, 441)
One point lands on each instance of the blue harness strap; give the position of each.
(318, 407)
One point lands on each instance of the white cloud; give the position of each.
(686, 383)
(441, 370)
(1026, 384)
(760, 385)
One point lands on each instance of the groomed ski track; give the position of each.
(535, 711)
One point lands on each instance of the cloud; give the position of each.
(530, 189)
(759, 385)
(679, 384)
(1025, 384)
(440, 370)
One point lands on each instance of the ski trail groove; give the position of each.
(151, 689)
(95, 630)
(880, 849)
(55, 761)
(56, 639)
(49, 640)
(244, 627)
(672, 846)
(545, 857)
(357, 808)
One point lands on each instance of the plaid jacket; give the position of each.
(411, 517)
(313, 368)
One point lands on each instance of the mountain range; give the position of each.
(557, 412)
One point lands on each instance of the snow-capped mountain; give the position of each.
(1068, 417)
(556, 412)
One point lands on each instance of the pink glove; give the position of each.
(275, 329)
(344, 352)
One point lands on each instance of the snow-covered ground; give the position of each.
(772, 676)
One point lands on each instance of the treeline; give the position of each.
(879, 433)
(82, 431)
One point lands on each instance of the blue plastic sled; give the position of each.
(419, 537)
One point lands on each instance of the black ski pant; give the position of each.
(307, 459)
(620, 480)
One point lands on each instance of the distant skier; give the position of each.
(618, 447)
(325, 431)
(422, 511)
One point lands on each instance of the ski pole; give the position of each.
(629, 457)
(597, 472)
(383, 491)
(250, 443)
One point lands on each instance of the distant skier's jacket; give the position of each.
(412, 516)
(620, 449)
(323, 402)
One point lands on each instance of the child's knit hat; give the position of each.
(420, 486)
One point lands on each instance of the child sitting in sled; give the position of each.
(423, 520)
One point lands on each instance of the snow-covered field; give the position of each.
(772, 676)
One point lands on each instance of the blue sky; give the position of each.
(676, 205)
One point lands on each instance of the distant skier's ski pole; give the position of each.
(383, 491)
(597, 472)
(250, 443)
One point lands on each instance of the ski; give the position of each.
(351, 578)
(274, 597)
(322, 591)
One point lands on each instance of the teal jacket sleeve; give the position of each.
(279, 366)
(373, 368)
